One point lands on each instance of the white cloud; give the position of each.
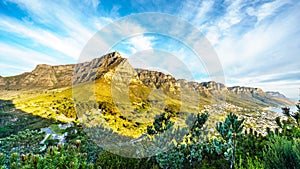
(216, 29)
(213, 35)
(140, 43)
(232, 16)
(65, 45)
(201, 13)
(196, 11)
(268, 9)
(6, 69)
(254, 50)
(24, 55)
(73, 28)
(94, 3)
(122, 35)
(249, 51)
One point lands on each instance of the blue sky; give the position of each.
(257, 41)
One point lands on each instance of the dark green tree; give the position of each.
(161, 123)
(230, 129)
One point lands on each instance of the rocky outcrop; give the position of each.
(158, 80)
(245, 90)
(97, 68)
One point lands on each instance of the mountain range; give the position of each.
(49, 77)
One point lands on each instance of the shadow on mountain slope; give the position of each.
(13, 120)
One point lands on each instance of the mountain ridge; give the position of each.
(46, 76)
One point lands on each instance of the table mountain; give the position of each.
(112, 66)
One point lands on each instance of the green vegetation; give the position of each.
(195, 150)
(230, 129)
(108, 160)
(13, 120)
(67, 156)
(282, 153)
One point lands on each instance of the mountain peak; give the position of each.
(114, 54)
(43, 66)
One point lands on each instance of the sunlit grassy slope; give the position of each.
(128, 111)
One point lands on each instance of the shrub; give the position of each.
(107, 160)
(251, 163)
(67, 156)
(186, 153)
(282, 154)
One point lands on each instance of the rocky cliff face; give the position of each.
(97, 68)
(113, 67)
(46, 76)
(43, 76)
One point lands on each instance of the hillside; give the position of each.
(127, 99)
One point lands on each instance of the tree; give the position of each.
(188, 142)
(161, 123)
(229, 130)
(290, 127)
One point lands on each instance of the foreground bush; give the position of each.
(283, 154)
(107, 160)
(56, 157)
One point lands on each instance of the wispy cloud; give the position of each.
(196, 11)
(262, 47)
(253, 39)
(267, 9)
(65, 45)
(59, 26)
(21, 58)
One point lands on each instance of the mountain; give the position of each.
(276, 94)
(43, 76)
(112, 67)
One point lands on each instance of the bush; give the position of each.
(107, 160)
(251, 163)
(282, 154)
(67, 156)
